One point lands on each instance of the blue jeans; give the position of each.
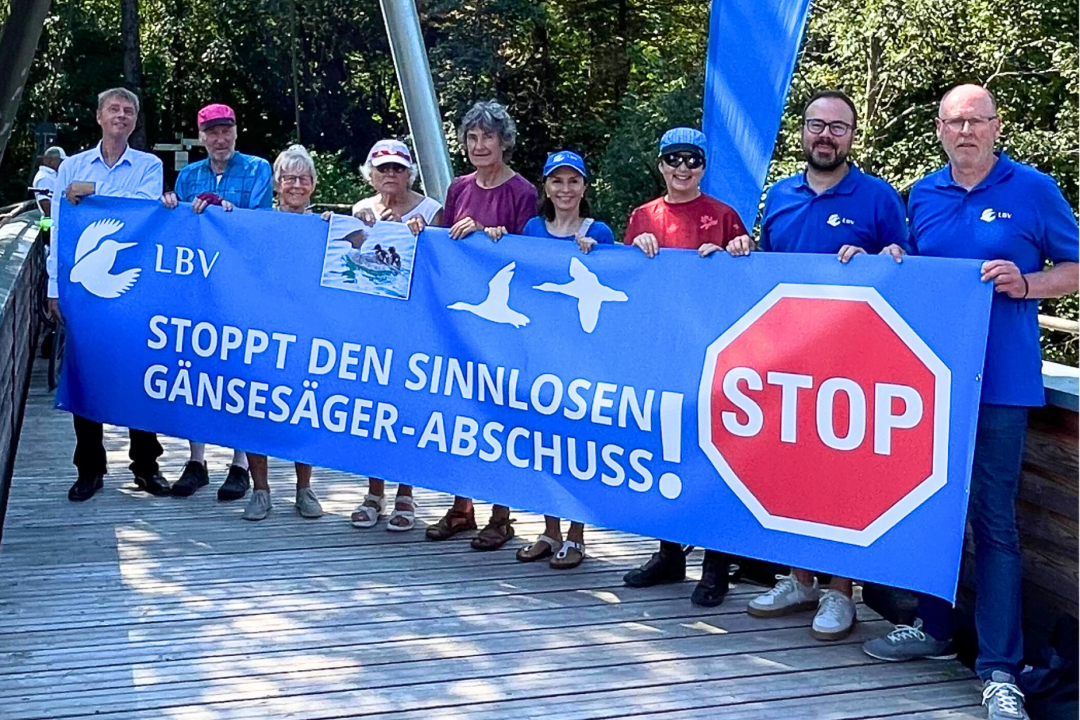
(995, 478)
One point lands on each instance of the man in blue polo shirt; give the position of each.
(832, 207)
(986, 206)
(229, 179)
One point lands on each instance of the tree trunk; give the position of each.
(129, 30)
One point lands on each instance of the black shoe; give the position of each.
(659, 569)
(153, 484)
(713, 587)
(236, 484)
(193, 478)
(85, 487)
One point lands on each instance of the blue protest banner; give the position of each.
(753, 46)
(784, 407)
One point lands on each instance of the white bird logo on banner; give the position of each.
(94, 258)
(496, 307)
(588, 290)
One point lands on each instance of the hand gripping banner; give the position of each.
(783, 407)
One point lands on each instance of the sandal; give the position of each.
(494, 535)
(543, 547)
(450, 524)
(569, 556)
(367, 515)
(409, 516)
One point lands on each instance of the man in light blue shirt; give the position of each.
(985, 206)
(115, 169)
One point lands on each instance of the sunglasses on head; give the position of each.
(692, 161)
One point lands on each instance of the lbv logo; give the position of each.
(990, 215)
(184, 262)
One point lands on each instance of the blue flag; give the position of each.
(783, 407)
(753, 46)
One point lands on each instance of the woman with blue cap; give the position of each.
(564, 215)
(564, 212)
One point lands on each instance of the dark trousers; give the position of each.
(670, 549)
(995, 479)
(90, 449)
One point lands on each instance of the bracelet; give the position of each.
(1027, 288)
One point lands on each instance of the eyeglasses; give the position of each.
(393, 168)
(690, 160)
(958, 124)
(301, 180)
(837, 128)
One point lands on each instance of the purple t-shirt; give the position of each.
(510, 204)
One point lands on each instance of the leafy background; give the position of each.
(605, 77)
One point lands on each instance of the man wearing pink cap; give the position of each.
(229, 179)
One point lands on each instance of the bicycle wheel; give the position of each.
(56, 357)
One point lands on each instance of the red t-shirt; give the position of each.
(686, 225)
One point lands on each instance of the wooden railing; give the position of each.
(22, 269)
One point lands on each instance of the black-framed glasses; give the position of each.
(692, 161)
(837, 128)
(975, 123)
(391, 168)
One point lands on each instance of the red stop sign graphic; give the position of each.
(825, 413)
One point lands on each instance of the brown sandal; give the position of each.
(450, 524)
(494, 535)
(569, 556)
(544, 547)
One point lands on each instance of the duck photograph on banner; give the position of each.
(375, 260)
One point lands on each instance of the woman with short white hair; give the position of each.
(391, 171)
(294, 182)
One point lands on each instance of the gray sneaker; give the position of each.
(259, 506)
(307, 504)
(835, 618)
(909, 643)
(1003, 700)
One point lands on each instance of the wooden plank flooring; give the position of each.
(130, 607)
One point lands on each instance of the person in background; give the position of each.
(230, 179)
(391, 171)
(294, 179)
(684, 217)
(111, 168)
(497, 200)
(564, 215)
(833, 208)
(986, 206)
(46, 176)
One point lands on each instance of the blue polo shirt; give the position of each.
(859, 210)
(1017, 213)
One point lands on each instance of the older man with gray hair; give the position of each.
(986, 206)
(115, 169)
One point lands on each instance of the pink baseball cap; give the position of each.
(216, 114)
(390, 151)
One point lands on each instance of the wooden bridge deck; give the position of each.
(130, 607)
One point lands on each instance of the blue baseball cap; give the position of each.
(564, 158)
(684, 139)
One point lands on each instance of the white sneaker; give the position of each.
(835, 618)
(788, 596)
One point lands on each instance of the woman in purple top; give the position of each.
(494, 198)
(497, 200)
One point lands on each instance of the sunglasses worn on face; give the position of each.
(391, 168)
(690, 160)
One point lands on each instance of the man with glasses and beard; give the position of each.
(831, 207)
(685, 218)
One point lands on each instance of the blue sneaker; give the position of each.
(1003, 700)
(908, 642)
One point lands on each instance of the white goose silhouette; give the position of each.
(588, 290)
(496, 307)
(94, 258)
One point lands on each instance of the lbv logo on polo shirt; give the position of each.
(990, 215)
(708, 221)
(836, 221)
(95, 255)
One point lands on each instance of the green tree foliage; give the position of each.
(604, 77)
